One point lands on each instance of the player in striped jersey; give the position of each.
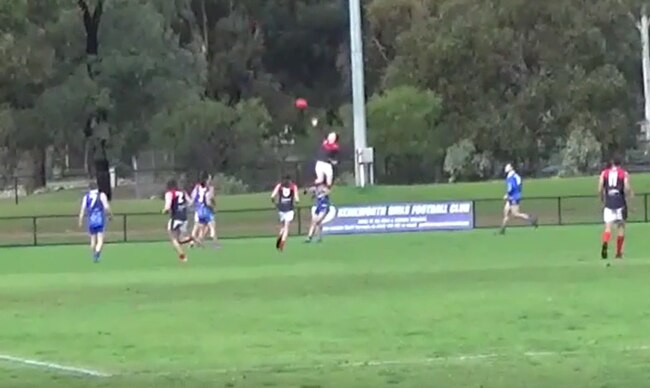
(285, 196)
(176, 204)
(203, 200)
(95, 210)
(321, 194)
(614, 189)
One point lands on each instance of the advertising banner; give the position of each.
(399, 217)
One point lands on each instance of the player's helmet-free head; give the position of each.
(172, 184)
(615, 162)
(92, 185)
(508, 168)
(332, 137)
(206, 178)
(286, 181)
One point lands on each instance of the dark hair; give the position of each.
(615, 161)
(286, 181)
(204, 178)
(172, 184)
(92, 185)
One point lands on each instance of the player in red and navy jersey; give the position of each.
(285, 196)
(177, 202)
(614, 189)
(326, 159)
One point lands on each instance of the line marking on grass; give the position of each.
(283, 368)
(52, 366)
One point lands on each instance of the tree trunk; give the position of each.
(39, 168)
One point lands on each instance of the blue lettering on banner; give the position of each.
(399, 217)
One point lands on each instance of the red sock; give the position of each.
(182, 257)
(607, 236)
(619, 244)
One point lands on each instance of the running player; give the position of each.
(95, 208)
(203, 200)
(321, 208)
(285, 196)
(176, 204)
(326, 159)
(513, 199)
(614, 188)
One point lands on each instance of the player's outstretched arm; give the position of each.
(168, 203)
(601, 187)
(82, 212)
(628, 186)
(106, 204)
(275, 192)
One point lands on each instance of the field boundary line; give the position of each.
(283, 368)
(52, 366)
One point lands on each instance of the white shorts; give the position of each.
(613, 215)
(324, 172)
(286, 216)
(177, 225)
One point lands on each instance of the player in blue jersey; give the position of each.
(321, 195)
(95, 210)
(513, 199)
(203, 200)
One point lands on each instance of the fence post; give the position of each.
(125, 235)
(559, 210)
(645, 207)
(16, 190)
(473, 213)
(299, 220)
(34, 230)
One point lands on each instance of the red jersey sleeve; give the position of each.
(330, 146)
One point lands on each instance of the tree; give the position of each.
(404, 128)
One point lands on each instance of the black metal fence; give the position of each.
(149, 227)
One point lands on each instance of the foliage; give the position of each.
(582, 152)
(346, 178)
(229, 185)
(404, 129)
(459, 158)
(213, 82)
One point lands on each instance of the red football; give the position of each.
(301, 103)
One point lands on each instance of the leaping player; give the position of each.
(95, 208)
(326, 159)
(513, 199)
(176, 204)
(321, 196)
(203, 197)
(285, 196)
(614, 188)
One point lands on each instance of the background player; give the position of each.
(176, 204)
(326, 159)
(285, 196)
(614, 188)
(512, 197)
(321, 208)
(203, 200)
(95, 208)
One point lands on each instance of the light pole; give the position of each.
(358, 92)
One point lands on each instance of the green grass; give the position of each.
(67, 202)
(240, 215)
(414, 304)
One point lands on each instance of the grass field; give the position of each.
(253, 214)
(67, 202)
(534, 308)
